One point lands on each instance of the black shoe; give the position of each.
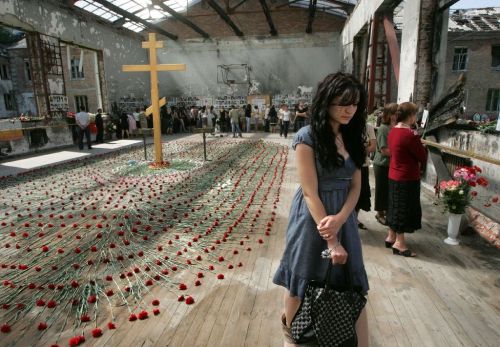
(389, 244)
(406, 253)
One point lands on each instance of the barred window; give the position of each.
(81, 100)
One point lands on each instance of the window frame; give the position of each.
(4, 72)
(27, 71)
(455, 55)
(8, 101)
(492, 96)
(75, 74)
(78, 102)
(497, 66)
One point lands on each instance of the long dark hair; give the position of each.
(350, 92)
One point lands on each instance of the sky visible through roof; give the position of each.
(476, 4)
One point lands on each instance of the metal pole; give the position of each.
(144, 141)
(204, 145)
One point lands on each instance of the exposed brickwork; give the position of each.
(251, 20)
(480, 75)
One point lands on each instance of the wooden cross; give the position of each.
(153, 67)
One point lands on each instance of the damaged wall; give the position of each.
(279, 65)
(75, 27)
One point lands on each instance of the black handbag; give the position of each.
(328, 314)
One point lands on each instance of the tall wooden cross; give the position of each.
(153, 67)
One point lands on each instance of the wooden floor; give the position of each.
(447, 296)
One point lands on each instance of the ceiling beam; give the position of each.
(181, 18)
(137, 19)
(273, 31)
(231, 9)
(225, 17)
(445, 4)
(347, 7)
(312, 14)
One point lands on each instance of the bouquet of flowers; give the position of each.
(457, 193)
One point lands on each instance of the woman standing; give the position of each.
(408, 155)
(381, 163)
(330, 153)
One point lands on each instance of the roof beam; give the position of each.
(344, 6)
(225, 17)
(181, 18)
(445, 4)
(273, 31)
(231, 9)
(312, 14)
(137, 19)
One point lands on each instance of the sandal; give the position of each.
(389, 244)
(381, 220)
(406, 253)
(287, 332)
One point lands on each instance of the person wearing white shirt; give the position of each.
(82, 119)
(285, 113)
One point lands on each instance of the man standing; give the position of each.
(234, 115)
(100, 127)
(301, 115)
(82, 122)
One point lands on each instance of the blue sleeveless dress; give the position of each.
(301, 261)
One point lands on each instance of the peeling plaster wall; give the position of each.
(71, 26)
(279, 65)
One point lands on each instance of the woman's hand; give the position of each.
(339, 255)
(329, 226)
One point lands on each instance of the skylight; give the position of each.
(143, 9)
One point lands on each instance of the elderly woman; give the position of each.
(408, 155)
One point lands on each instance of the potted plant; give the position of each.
(457, 195)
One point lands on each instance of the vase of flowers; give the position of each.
(457, 195)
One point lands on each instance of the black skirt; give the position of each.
(404, 214)
(364, 202)
(381, 187)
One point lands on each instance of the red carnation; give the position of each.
(85, 318)
(156, 311)
(189, 300)
(132, 317)
(76, 341)
(200, 275)
(230, 266)
(155, 302)
(45, 248)
(42, 326)
(5, 328)
(142, 315)
(182, 286)
(111, 326)
(51, 304)
(211, 267)
(197, 283)
(92, 299)
(180, 298)
(40, 303)
(110, 293)
(220, 276)
(96, 332)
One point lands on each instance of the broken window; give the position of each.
(9, 102)
(81, 100)
(492, 100)
(27, 70)
(495, 57)
(76, 72)
(4, 72)
(460, 59)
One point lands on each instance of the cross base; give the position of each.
(160, 165)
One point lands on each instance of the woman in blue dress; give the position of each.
(330, 153)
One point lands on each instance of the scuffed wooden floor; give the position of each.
(447, 296)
